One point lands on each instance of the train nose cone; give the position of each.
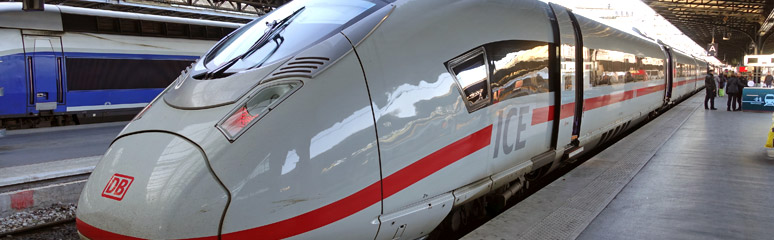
(153, 186)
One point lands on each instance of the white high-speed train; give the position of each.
(371, 119)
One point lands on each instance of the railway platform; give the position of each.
(43, 145)
(47, 167)
(689, 174)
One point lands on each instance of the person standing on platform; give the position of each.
(722, 85)
(717, 81)
(709, 83)
(734, 90)
(768, 80)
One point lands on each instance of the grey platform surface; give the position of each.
(37, 146)
(689, 174)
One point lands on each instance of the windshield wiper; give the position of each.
(272, 34)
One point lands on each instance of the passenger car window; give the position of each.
(615, 67)
(680, 70)
(518, 68)
(653, 69)
(568, 67)
(470, 72)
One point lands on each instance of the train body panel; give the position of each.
(179, 191)
(686, 75)
(339, 161)
(571, 82)
(619, 87)
(327, 139)
(110, 45)
(11, 16)
(384, 125)
(414, 102)
(43, 55)
(118, 56)
(13, 78)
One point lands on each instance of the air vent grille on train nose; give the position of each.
(301, 67)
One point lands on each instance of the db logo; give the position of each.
(117, 186)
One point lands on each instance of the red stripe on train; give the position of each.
(370, 195)
(95, 233)
(349, 205)
(545, 114)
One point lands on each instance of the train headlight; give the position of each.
(258, 103)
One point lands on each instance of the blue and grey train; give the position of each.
(69, 63)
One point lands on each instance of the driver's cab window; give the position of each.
(471, 73)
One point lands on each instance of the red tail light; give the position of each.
(258, 103)
(238, 121)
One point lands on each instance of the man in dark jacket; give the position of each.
(768, 80)
(712, 90)
(734, 90)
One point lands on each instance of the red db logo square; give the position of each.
(117, 186)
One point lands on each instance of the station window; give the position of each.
(470, 72)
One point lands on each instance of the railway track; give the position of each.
(59, 230)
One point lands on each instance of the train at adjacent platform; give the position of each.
(67, 63)
(375, 119)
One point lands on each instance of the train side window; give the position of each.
(79, 23)
(107, 25)
(651, 68)
(517, 68)
(470, 72)
(567, 61)
(680, 70)
(106, 73)
(151, 28)
(123, 26)
(196, 31)
(176, 30)
(129, 26)
(214, 33)
(615, 67)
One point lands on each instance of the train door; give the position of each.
(43, 58)
(571, 77)
(669, 74)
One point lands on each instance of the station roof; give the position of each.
(748, 22)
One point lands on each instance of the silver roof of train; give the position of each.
(11, 16)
